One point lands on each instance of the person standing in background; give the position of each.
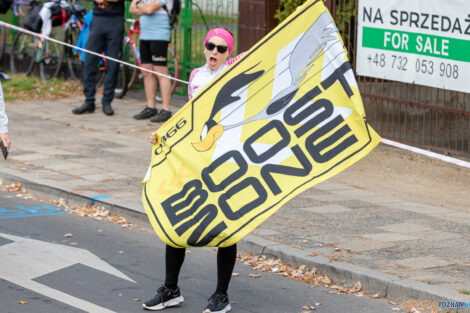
(106, 30)
(154, 39)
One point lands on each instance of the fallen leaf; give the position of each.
(22, 302)
(235, 274)
(313, 254)
(255, 275)
(376, 295)
(68, 235)
(120, 252)
(137, 299)
(74, 244)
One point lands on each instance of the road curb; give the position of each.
(386, 285)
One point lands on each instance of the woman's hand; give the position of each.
(153, 138)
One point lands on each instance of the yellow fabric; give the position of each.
(285, 117)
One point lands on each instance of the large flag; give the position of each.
(285, 117)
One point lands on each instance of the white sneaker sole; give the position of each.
(226, 309)
(161, 306)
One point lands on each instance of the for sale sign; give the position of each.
(425, 42)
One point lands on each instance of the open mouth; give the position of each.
(212, 60)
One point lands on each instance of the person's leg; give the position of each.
(219, 301)
(159, 58)
(95, 43)
(169, 294)
(165, 86)
(226, 258)
(174, 259)
(150, 86)
(114, 38)
(150, 82)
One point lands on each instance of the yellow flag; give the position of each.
(285, 117)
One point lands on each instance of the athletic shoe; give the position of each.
(218, 303)
(165, 297)
(161, 117)
(145, 113)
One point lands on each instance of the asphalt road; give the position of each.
(102, 267)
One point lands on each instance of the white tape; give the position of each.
(427, 153)
(86, 51)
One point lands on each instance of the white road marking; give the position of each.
(26, 259)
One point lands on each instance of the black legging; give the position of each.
(226, 258)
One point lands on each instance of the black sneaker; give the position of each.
(165, 297)
(145, 113)
(218, 303)
(161, 117)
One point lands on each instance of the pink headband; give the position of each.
(222, 33)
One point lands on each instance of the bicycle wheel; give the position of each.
(126, 73)
(22, 53)
(130, 56)
(74, 63)
(173, 67)
(3, 39)
(52, 56)
(121, 86)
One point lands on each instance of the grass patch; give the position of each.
(26, 88)
(465, 291)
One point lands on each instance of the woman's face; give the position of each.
(214, 58)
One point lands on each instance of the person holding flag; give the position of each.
(218, 46)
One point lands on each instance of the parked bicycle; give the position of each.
(131, 55)
(28, 50)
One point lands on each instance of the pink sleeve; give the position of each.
(235, 59)
(191, 77)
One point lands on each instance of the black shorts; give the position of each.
(154, 52)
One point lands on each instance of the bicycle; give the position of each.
(28, 50)
(131, 55)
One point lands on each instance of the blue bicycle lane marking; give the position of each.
(21, 211)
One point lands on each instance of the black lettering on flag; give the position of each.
(327, 111)
(191, 190)
(315, 149)
(242, 168)
(338, 75)
(204, 217)
(269, 169)
(252, 182)
(272, 150)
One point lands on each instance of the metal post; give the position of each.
(186, 23)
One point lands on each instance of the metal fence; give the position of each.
(422, 116)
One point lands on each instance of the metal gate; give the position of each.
(422, 116)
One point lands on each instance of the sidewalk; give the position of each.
(398, 248)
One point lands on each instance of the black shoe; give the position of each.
(218, 303)
(146, 113)
(84, 108)
(107, 109)
(165, 297)
(161, 117)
